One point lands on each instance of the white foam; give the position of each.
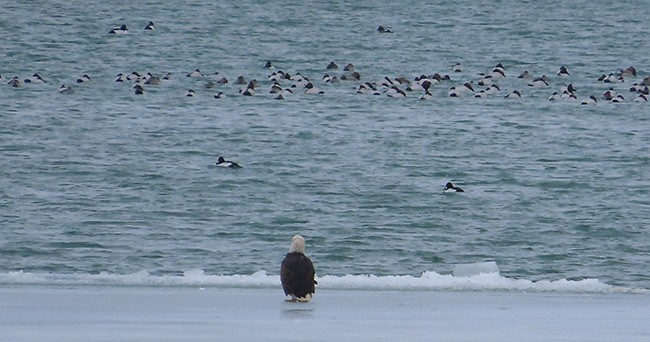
(468, 270)
(426, 281)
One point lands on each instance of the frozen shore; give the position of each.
(111, 313)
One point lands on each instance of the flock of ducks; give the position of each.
(281, 84)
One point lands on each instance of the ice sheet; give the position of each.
(109, 313)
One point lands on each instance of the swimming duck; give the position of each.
(133, 76)
(524, 74)
(152, 80)
(35, 79)
(618, 99)
(613, 78)
(427, 95)
(221, 162)
(609, 95)
(451, 188)
(395, 91)
(539, 82)
(630, 71)
(276, 88)
(419, 84)
(591, 100)
(563, 72)
(515, 94)
(569, 88)
(367, 88)
(249, 90)
(498, 72)
(569, 96)
(481, 94)
(120, 30)
(646, 81)
(14, 82)
(382, 29)
(353, 76)
(485, 80)
(83, 78)
(63, 89)
(195, 73)
(139, 90)
(332, 79)
(460, 90)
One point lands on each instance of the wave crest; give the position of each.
(427, 281)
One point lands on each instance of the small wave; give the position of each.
(427, 281)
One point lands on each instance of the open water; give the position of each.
(103, 183)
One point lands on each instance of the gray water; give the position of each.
(103, 180)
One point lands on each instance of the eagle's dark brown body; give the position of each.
(298, 276)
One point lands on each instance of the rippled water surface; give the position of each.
(103, 180)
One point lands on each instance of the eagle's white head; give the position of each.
(297, 245)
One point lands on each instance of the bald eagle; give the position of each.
(297, 272)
